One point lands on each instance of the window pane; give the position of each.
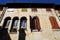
(14, 27)
(7, 24)
(23, 24)
(15, 24)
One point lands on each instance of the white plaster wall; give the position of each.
(46, 34)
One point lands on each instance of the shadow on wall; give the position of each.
(22, 34)
(4, 34)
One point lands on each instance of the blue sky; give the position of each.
(30, 1)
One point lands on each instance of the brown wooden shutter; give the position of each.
(34, 9)
(54, 23)
(37, 24)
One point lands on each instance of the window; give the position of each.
(24, 9)
(14, 25)
(23, 23)
(8, 22)
(34, 23)
(48, 9)
(34, 9)
(54, 23)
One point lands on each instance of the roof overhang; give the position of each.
(28, 5)
(31, 5)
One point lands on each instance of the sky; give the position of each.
(30, 1)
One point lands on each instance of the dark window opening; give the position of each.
(23, 23)
(6, 22)
(34, 23)
(14, 25)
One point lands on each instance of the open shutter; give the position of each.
(37, 24)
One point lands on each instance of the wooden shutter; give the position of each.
(38, 23)
(54, 23)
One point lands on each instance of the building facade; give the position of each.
(31, 23)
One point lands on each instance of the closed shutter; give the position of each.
(54, 23)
